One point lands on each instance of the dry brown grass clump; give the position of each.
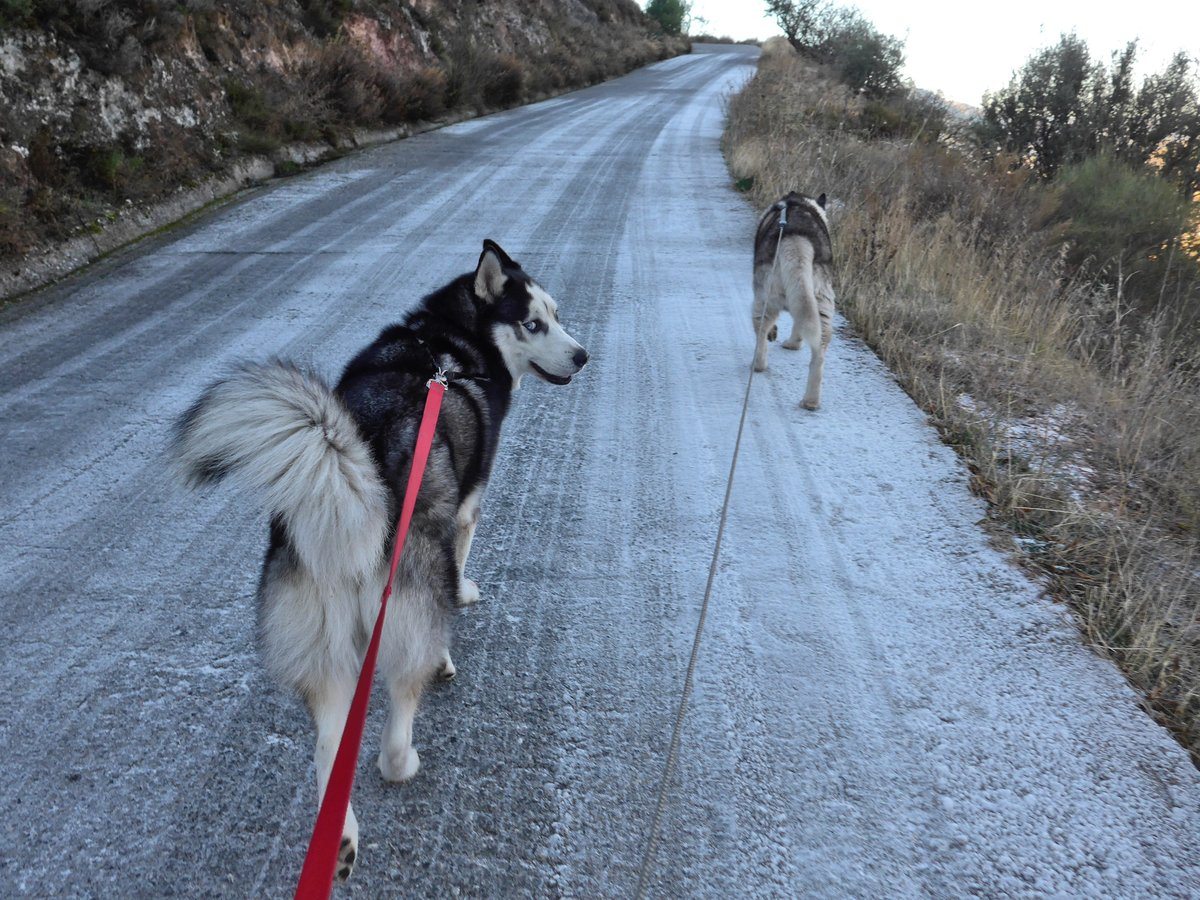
(1082, 429)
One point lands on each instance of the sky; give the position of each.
(963, 49)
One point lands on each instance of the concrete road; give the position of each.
(884, 705)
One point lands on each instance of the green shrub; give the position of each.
(111, 168)
(257, 142)
(15, 13)
(324, 17)
(911, 114)
(249, 105)
(864, 58)
(1117, 215)
(671, 15)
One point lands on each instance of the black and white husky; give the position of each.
(331, 465)
(793, 271)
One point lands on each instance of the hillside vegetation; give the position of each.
(1047, 323)
(108, 104)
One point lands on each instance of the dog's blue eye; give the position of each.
(532, 326)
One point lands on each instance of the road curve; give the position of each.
(884, 705)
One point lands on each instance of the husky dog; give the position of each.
(793, 268)
(332, 465)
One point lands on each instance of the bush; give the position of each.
(113, 169)
(15, 13)
(864, 58)
(911, 114)
(504, 82)
(44, 161)
(325, 17)
(424, 94)
(1118, 213)
(479, 77)
(249, 105)
(669, 14)
(1119, 225)
(349, 84)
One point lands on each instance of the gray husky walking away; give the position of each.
(793, 271)
(331, 465)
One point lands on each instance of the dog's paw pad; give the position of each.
(773, 333)
(468, 592)
(347, 854)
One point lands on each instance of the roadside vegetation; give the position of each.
(1031, 276)
(109, 103)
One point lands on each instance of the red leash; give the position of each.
(316, 878)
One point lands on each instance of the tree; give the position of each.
(1063, 107)
(1166, 123)
(1044, 115)
(800, 20)
(670, 14)
(863, 57)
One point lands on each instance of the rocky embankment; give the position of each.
(120, 116)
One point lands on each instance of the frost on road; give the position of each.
(884, 706)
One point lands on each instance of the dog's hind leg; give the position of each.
(818, 340)
(398, 759)
(811, 321)
(329, 709)
(763, 320)
(816, 366)
(799, 291)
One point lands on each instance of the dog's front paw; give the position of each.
(447, 670)
(808, 403)
(347, 855)
(468, 592)
(790, 345)
(399, 766)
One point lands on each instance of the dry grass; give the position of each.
(1082, 431)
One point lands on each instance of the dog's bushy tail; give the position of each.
(282, 433)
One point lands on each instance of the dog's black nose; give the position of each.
(580, 357)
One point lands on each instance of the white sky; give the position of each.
(963, 49)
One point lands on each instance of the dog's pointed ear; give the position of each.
(489, 273)
(821, 201)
